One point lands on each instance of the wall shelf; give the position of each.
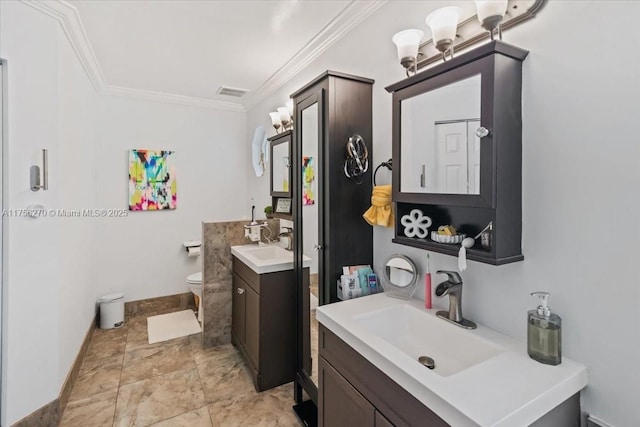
(472, 254)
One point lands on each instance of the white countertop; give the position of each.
(266, 258)
(509, 389)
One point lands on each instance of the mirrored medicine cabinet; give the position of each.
(280, 163)
(457, 135)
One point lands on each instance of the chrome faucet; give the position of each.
(288, 233)
(453, 287)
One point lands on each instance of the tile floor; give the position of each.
(125, 381)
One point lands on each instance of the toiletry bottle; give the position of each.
(427, 285)
(543, 333)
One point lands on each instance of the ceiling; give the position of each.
(190, 48)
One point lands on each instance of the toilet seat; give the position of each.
(195, 278)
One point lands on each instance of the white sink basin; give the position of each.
(481, 377)
(266, 259)
(416, 333)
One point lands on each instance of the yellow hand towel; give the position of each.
(381, 210)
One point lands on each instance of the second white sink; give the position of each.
(266, 259)
(416, 334)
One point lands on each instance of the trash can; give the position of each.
(111, 311)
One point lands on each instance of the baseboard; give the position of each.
(50, 414)
(47, 416)
(70, 381)
(159, 305)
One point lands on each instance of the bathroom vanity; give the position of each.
(264, 313)
(370, 374)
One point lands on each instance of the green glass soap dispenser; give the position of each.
(543, 333)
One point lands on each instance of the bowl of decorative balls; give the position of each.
(447, 234)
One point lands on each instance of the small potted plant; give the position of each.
(268, 211)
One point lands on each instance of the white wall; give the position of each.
(580, 175)
(48, 291)
(142, 255)
(75, 186)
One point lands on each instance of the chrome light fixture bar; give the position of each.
(471, 30)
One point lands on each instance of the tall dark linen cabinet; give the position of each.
(328, 111)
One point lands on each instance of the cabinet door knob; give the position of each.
(482, 131)
(317, 247)
(240, 291)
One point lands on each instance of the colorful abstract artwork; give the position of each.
(152, 180)
(308, 181)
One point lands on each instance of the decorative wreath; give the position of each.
(416, 224)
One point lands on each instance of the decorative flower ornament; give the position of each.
(416, 224)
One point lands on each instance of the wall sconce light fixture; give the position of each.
(275, 120)
(408, 42)
(35, 174)
(490, 14)
(444, 23)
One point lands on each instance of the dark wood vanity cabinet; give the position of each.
(263, 324)
(457, 150)
(354, 393)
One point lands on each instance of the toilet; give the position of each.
(194, 281)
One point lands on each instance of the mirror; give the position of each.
(439, 138)
(280, 166)
(400, 277)
(310, 232)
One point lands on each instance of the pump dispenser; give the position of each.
(543, 332)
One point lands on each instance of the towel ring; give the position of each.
(388, 164)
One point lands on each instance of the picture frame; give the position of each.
(283, 205)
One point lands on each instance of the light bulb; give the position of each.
(275, 118)
(284, 115)
(407, 42)
(490, 13)
(290, 107)
(443, 23)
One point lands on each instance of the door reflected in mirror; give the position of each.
(439, 139)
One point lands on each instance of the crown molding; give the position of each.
(169, 98)
(350, 17)
(69, 19)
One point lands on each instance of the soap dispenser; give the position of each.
(543, 333)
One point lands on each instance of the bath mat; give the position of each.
(166, 327)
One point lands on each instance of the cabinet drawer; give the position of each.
(248, 275)
(397, 404)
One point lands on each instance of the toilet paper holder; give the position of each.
(192, 247)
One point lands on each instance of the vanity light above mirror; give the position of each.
(449, 34)
(283, 117)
